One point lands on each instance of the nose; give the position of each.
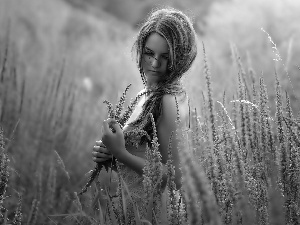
(155, 62)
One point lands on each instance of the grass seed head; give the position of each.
(17, 220)
(61, 164)
(4, 168)
(210, 98)
(120, 105)
(32, 219)
(111, 111)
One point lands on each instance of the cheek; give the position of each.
(165, 67)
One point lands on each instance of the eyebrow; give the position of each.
(149, 49)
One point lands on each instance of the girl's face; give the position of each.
(155, 58)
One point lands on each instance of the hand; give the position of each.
(100, 152)
(113, 138)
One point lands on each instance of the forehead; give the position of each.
(157, 43)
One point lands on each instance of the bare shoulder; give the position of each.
(170, 107)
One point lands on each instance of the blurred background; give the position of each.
(61, 58)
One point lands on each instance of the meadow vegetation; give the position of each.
(242, 162)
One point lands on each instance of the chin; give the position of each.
(152, 79)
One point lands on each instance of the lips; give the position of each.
(153, 71)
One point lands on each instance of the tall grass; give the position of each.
(35, 130)
(240, 164)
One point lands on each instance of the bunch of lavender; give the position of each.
(121, 119)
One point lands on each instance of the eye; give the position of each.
(166, 57)
(148, 52)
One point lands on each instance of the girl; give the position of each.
(165, 49)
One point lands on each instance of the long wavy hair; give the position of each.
(178, 31)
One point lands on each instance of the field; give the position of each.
(242, 162)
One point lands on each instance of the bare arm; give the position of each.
(134, 162)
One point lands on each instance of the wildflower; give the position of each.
(254, 117)
(77, 202)
(279, 111)
(17, 220)
(61, 164)
(274, 47)
(4, 170)
(289, 114)
(197, 182)
(120, 105)
(136, 135)
(126, 115)
(111, 111)
(242, 113)
(51, 185)
(263, 115)
(210, 99)
(173, 214)
(32, 219)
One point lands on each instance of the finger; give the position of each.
(117, 127)
(100, 143)
(111, 120)
(106, 129)
(101, 149)
(101, 155)
(96, 148)
(105, 150)
(99, 160)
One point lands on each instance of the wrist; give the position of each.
(123, 154)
